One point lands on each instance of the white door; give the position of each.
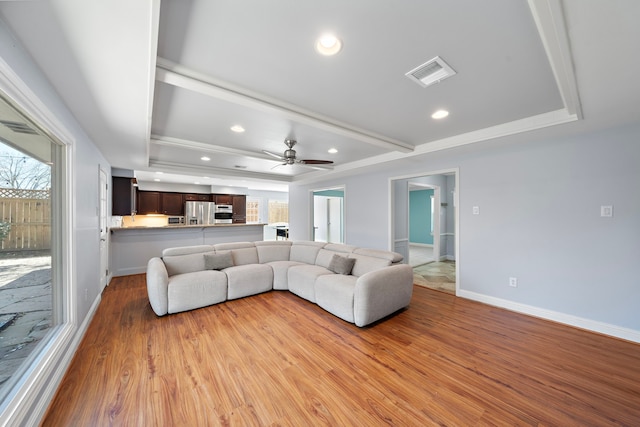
(104, 230)
(320, 219)
(334, 220)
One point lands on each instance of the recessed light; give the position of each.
(237, 128)
(440, 114)
(159, 173)
(333, 150)
(328, 45)
(197, 182)
(205, 158)
(156, 179)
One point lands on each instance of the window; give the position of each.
(253, 210)
(32, 228)
(278, 211)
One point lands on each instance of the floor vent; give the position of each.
(433, 71)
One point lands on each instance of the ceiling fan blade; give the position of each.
(315, 162)
(277, 156)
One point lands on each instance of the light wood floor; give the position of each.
(275, 359)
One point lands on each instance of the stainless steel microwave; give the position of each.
(175, 220)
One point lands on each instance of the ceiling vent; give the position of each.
(433, 71)
(19, 127)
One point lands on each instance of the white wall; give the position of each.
(539, 221)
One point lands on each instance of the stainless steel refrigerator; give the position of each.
(199, 213)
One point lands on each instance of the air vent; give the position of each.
(19, 127)
(433, 71)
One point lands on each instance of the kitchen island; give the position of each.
(132, 247)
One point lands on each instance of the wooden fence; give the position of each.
(29, 214)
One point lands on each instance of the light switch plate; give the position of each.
(606, 211)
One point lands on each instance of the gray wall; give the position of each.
(539, 221)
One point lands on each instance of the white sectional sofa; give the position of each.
(355, 284)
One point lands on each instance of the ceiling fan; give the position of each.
(289, 156)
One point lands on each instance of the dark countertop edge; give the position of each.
(183, 227)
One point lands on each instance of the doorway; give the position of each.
(104, 244)
(328, 215)
(434, 248)
(424, 223)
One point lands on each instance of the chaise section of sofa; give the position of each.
(358, 285)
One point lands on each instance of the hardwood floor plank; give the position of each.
(276, 359)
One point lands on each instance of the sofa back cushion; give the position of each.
(242, 252)
(393, 257)
(274, 250)
(305, 251)
(186, 250)
(329, 250)
(372, 259)
(179, 264)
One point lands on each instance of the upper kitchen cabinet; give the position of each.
(172, 203)
(149, 202)
(155, 202)
(239, 203)
(222, 199)
(197, 198)
(122, 196)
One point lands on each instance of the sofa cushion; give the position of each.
(302, 279)
(218, 261)
(393, 257)
(198, 289)
(270, 251)
(341, 264)
(364, 264)
(280, 273)
(248, 279)
(179, 264)
(186, 250)
(305, 251)
(335, 293)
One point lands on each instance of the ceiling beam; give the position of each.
(177, 75)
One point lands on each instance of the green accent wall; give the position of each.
(420, 217)
(329, 193)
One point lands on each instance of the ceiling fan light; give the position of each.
(205, 158)
(332, 151)
(237, 128)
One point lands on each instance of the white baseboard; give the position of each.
(567, 319)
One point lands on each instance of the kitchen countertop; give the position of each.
(183, 227)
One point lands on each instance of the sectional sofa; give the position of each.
(355, 284)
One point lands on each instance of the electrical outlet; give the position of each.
(513, 282)
(606, 211)
(86, 294)
(476, 210)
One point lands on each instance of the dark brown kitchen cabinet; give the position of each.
(197, 198)
(155, 202)
(122, 196)
(223, 199)
(171, 203)
(239, 203)
(149, 202)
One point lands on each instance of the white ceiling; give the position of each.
(157, 86)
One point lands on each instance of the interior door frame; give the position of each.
(400, 209)
(103, 225)
(312, 192)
